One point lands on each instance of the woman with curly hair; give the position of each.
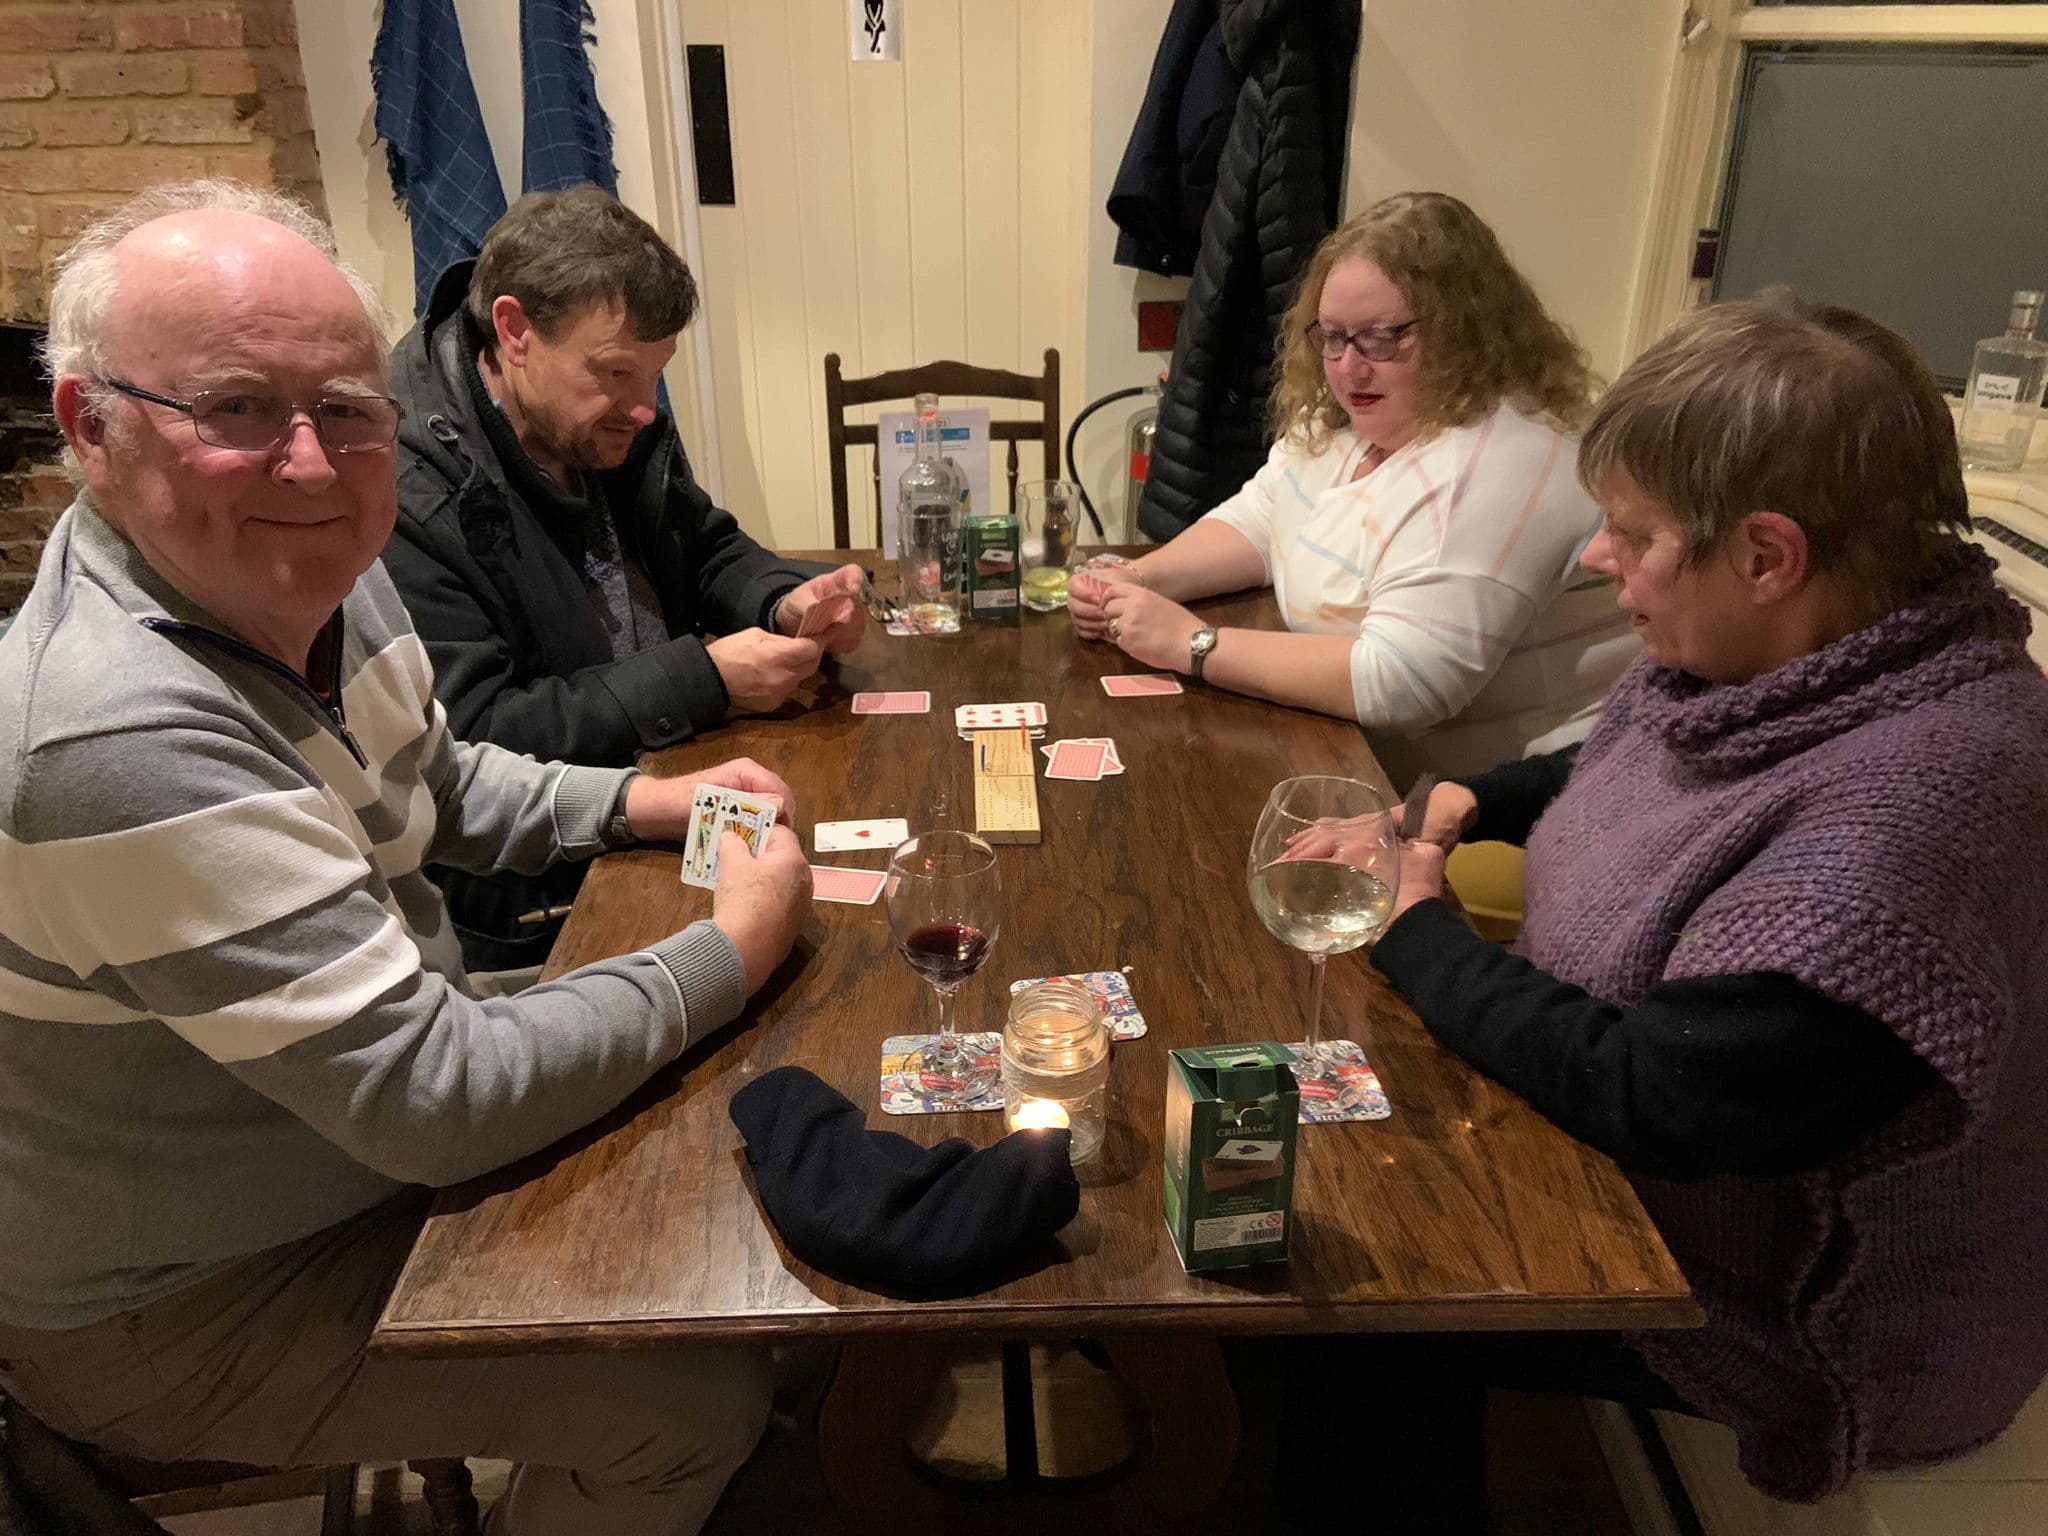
(1417, 519)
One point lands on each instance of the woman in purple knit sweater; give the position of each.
(1785, 956)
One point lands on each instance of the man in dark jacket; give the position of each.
(579, 594)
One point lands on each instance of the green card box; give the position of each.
(1231, 1117)
(990, 580)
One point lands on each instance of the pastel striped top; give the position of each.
(1455, 562)
(232, 1008)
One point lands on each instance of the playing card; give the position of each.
(1077, 760)
(995, 717)
(892, 703)
(822, 615)
(713, 812)
(1144, 685)
(859, 886)
(847, 836)
(1113, 765)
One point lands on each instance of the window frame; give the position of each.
(1700, 108)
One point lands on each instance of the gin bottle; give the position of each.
(928, 530)
(2004, 396)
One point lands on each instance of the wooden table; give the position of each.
(1464, 1210)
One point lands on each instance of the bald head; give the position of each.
(174, 275)
(214, 371)
(232, 221)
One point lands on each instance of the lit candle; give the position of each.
(1038, 1115)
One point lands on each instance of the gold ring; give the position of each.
(1112, 629)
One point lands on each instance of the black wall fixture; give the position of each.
(710, 124)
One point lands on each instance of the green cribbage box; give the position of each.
(1231, 1113)
(990, 586)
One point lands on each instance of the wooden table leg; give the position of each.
(1186, 1446)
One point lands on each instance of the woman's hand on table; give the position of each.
(1148, 628)
(658, 810)
(1088, 591)
(1358, 841)
(762, 899)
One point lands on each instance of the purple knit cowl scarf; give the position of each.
(1872, 820)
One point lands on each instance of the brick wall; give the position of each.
(100, 98)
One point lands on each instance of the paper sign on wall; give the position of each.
(875, 29)
(963, 438)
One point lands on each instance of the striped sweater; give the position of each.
(1455, 563)
(232, 1009)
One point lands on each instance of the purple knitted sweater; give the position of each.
(1871, 819)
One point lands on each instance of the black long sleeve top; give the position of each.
(1755, 1073)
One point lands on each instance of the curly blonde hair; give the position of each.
(1485, 335)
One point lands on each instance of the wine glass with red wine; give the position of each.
(945, 899)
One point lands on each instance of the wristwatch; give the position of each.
(618, 832)
(1200, 644)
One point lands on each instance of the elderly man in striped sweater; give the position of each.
(237, 1043)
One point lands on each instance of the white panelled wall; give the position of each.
(894, 213)
(1010, 117)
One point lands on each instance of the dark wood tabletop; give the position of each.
(1464, 1210)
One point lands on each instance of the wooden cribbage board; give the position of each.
(1005, 786)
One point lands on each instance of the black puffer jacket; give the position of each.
(1278, 188)
(494, 584)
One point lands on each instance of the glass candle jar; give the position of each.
(1056, 1062)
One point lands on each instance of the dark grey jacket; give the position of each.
(495, 588)
(1278, 187)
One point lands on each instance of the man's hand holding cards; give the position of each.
(715, 812)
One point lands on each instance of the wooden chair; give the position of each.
(944, 378)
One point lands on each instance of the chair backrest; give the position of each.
(945, 378)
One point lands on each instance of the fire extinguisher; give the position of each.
(1137, 456)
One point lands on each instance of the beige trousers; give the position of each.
(268, 1363)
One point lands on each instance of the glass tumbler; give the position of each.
(1049, 515)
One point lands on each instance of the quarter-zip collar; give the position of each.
(161, 608)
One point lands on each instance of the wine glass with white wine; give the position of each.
(1324, 866)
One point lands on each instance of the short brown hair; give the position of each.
(1812, 411)
(558, 252)
(1485, 335)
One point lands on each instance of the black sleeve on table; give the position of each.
(1752, 1074)
(1512, 795)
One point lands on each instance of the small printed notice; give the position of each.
(876, 30)
(963, 438)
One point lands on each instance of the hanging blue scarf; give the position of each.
(434, 141)
(568, 138)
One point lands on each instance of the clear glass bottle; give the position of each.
(928, 530)
(2004, 397)
(1056, 1062)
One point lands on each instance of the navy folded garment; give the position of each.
(876, 1208)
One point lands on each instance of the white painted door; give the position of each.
(894, 213)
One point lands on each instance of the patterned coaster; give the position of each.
(903, 1094)
(1344, 1088)
(1112, 993)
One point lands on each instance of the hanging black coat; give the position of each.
(1278, 188)
(1168, 175)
